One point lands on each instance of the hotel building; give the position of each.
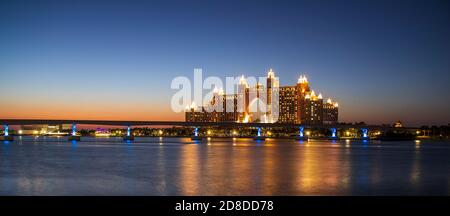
(269, 104)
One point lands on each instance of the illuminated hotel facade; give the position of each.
(286, 104)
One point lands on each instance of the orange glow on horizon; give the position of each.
(91, 112)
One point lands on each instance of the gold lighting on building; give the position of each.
(296, 104)
(271, 74)
(302, 79)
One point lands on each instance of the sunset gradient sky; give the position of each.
(381, 60)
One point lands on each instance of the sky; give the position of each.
(381, 60)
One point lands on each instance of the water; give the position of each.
(178, 166)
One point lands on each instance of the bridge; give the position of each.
(128, 124)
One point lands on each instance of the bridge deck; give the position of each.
(177, 123)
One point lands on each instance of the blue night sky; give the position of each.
(381, 60)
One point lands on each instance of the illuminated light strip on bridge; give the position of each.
(6, 129)
(196, 131)
(301, 134)
(333, 133)
(365, 133)
(74, 129)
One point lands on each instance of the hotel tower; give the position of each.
(297, 104)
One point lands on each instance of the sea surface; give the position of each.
(179, 166)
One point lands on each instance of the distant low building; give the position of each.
(398, 124)
(44, 129)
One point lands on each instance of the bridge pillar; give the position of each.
(128, 136)
(73, 135)
(196, 135)
(333, 134)
(259, 135)
(301, 134)
(6, 136)
(364, 134)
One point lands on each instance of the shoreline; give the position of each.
(251, 137)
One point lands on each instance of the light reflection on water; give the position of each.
(179, 166)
